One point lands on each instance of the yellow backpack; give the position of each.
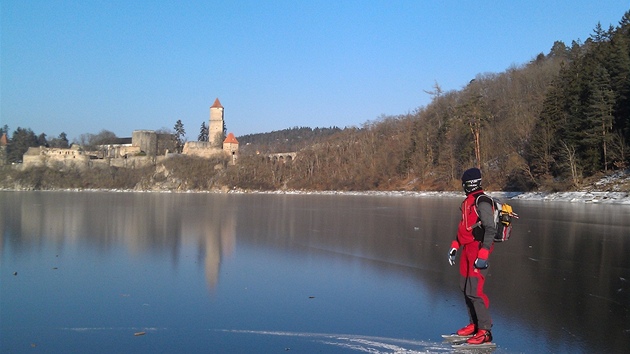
(503, 217)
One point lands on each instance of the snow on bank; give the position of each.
(580, 197)
(612, 189)
(573, 197)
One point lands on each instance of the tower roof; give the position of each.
(216, 104)
(230, 139)
(3, 140)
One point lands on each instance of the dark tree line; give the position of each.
(584, 124)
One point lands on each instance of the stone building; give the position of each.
(217, 143)
(230, 146)
(216, 125)
(145, 147)
(43, 156)
(151, 143)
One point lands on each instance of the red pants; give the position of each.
(471, 283)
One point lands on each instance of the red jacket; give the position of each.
(470, 230)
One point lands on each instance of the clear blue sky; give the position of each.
(84, 66)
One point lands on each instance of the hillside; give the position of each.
(551, 124)
(559, 122)
(286, 140)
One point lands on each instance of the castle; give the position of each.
(146, 147)
(217, 142)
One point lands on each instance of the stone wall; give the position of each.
(126, 157)
(42, 156)
(146, 140)
(129, 162)
(201, 149)
(3, 155)
(115, 151)
(165, 144)
(152, 143)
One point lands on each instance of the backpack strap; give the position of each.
(496, 208)
(484, 198)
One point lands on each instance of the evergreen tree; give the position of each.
(41, 140)
(596, 88)
(599, 35)
(558, 51)
(574, 98)
(22, 139)
(203, 132)
(543, 144)
(63, 140)
(180, 135)
(599, 114)
(618, 65)
(59, 142)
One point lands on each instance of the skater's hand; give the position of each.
(482, 259)
(451, 255)
(481, 263)
(453, 252)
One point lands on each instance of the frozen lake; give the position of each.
(106, 272)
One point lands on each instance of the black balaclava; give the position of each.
(471, 180)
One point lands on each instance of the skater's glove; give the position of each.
(482, 259)
(453, 252)
(451, 256)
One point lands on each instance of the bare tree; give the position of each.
(571, 159)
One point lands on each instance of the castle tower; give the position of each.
(230, 146)
(215, 127)
(3, 148)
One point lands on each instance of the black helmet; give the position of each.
(471, 180)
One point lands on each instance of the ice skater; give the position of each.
(475, 236)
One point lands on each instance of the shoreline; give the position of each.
(590, 197)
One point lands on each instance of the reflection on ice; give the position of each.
(191, 270)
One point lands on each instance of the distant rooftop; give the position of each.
(230, 139)
(216, 104)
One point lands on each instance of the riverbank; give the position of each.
(594, 197)
(611, 189)
(572, 197)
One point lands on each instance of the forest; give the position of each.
(550, 124)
